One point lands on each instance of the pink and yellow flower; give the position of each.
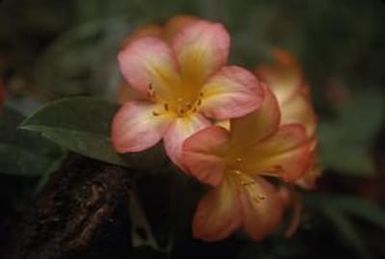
(184, 83)
(285, 78)
(237, 162)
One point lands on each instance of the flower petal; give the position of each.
(218, 213)
(284, 77)
(262, 208)
(313, 171)
(147, 63)
(232, 92)
(125, 93)
(176, 24)
(299, 110)
(249, 129)
(203, 154)
(201, 49)
(178, 132)
(285, 154)
(135, 128)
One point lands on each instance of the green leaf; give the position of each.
(346, 231)
(21, 152)
(18, 161)
(338, 209)
(141, 232)
(361, 209)
(352, 206)
(82, 125)
(78, 124)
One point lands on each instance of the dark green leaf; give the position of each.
(346, 231)
(78, 124)
(21, 152)
(361, 209)
(82, 125)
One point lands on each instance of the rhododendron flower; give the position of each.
(237, 162)
(166, 33)
(286, 80)
(183, 82)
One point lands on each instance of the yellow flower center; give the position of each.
(180, 104)
(242, 179)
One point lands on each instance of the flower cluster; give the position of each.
(184, 87)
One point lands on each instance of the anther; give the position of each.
(166, 106)
(246, 183)
(199, 102)
(261, 197)
(155, 114)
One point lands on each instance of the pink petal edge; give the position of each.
(135, 128)
(230, 93)
(203, 154)
(179, 130)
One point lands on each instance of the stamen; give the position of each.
(246, 183)
(166, 106)
(199, 102)
(155, 113)
(261, 197)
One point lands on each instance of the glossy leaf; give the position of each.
(82, 125)
(21, 152)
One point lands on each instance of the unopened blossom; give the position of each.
(285, 78)
(237, 164)
(183, 82)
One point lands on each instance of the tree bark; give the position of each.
(81, 213)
